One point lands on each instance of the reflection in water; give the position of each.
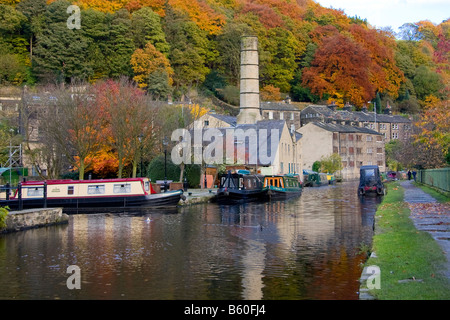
(305, 248)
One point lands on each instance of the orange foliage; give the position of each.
(267, 16)
(383, 72)
(201, 14)
(148, 60)
(270, 93)
(104, 163)
(344, 76)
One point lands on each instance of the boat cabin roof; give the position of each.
(92, 181)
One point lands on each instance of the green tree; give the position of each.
(331, 163)
(146, 26)
(96, 30)
(12, 71)
(159, 84)
(284, 49)
(229, 48)
(60, 51)
(190, 50)
(120, 45)
(426, 82)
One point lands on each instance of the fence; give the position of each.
(439, 178)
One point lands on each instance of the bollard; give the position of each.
(8, 190)
(45, 194)
(19, 194)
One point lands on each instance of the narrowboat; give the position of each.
(313, 179)
(282, 186)
(241, 187)
(129, 192)
(370, 181)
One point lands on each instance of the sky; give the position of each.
(394, 13)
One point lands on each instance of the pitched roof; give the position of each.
(344, 128)
(281, 106)
(362, 116)
(228, 119)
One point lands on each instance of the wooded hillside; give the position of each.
(308, 52)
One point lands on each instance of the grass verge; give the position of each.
(410, 261)
(440, 196)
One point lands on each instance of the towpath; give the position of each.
(429, 215)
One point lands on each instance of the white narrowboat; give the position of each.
(128, 192)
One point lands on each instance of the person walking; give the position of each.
(409, 174)
(414, 173)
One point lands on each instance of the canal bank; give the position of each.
(33, 218)
(197, 196)
(406, 262)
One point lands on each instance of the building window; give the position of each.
(395, 126)
(206, 122)
(358, 151)
(379, 139)
(369, 150)
(379, 150)
(369, 138)
(270, 115)
(335, 136)
(358, 137)
(292, 116)
(281, 116)
(351, 150)
(394, 135)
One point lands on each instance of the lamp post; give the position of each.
(165, 143)
(140, 137)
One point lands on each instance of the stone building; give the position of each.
(357, 146)
(282, 111)
(392, 127)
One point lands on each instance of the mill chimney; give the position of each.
(249, 110)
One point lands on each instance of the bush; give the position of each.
(155, 169)
(3, 213)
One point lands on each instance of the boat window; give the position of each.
(96, 189)
(147, 185)
(70, 189)
(249, 183)
(35, 192)
(241, 182)
(122, 188)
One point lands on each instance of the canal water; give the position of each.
(304, 248)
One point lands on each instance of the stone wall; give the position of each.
(34, 218)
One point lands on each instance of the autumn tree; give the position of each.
(433, 131)
(127, 121)
(149, 62)
(74, 124)
(342, 75)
